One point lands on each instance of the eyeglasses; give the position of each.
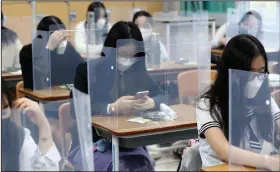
(260, 75)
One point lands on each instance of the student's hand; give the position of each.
(273, 164)
(32, 110)
(143, 104)
(223, 41)
(123, 105)
(55, 39)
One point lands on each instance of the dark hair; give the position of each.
(95, 7)
(50, 23)
(140, 14)
(7, 93)
(258, 17)
(238, 55)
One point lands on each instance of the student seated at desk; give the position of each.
(251, 23)
(144, 21)
(97, 21)
(11, 47)
(118, 76)
(55, 57)
(19, 151)
(212, 110)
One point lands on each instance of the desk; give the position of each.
(168, 71)
(217, 52)
(130, 134)
(11, 79)
(227, 167)
(173, 21)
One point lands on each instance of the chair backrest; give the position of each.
(19, 86)
(276, 96)
(65, 119)
(188, 82)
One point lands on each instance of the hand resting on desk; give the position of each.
(128, 105)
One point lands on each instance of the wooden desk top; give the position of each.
(171, 19)
(11, 76)
(226, 167)
(119, 126)
(173, 67)
(53, 94)
(217, 52)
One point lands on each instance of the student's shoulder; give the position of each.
(26, 51)
(203, 104)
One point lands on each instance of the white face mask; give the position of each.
(146, 33)
(253, 87)
(100, 23)
(61, 47)
(125, 63)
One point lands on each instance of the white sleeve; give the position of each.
(163, 52)
(18, 48)
(203, 117)
(221, 32)
(81, 43)
(31, 159)
(275, 111)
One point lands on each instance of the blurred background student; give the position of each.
(55, 57)
(11, 47)
(154, 49)
(91, 33)
(20, 152)
(250, 23)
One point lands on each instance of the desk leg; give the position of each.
(115, 153)
(213, 29)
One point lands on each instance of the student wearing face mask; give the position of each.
(57, 56)
(212, 110)
(118, 76)
(19, 150)
(250, 23)
(90, 43)
(11, 47)
(143, 20)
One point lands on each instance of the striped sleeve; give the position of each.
(204, 119)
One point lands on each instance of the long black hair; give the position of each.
(12, 135)
(238, 56)
(258, 17)
(8, 36)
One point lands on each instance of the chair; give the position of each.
(276, 96)
(66, 122)
(19, 86)
(188, 83)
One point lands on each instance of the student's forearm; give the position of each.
(45, 138)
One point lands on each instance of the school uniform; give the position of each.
(252, 141)
(51, 68)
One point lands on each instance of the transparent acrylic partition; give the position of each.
(29, 139)
(54, 59)
(202, 49)
(81, 154)
(252, 119)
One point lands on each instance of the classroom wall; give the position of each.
(19, 13)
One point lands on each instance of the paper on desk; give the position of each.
(16, 72)
(139, 120)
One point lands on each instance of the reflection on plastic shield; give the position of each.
(41, 61)
(83, 117)
(27, 142)
(252, 115)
